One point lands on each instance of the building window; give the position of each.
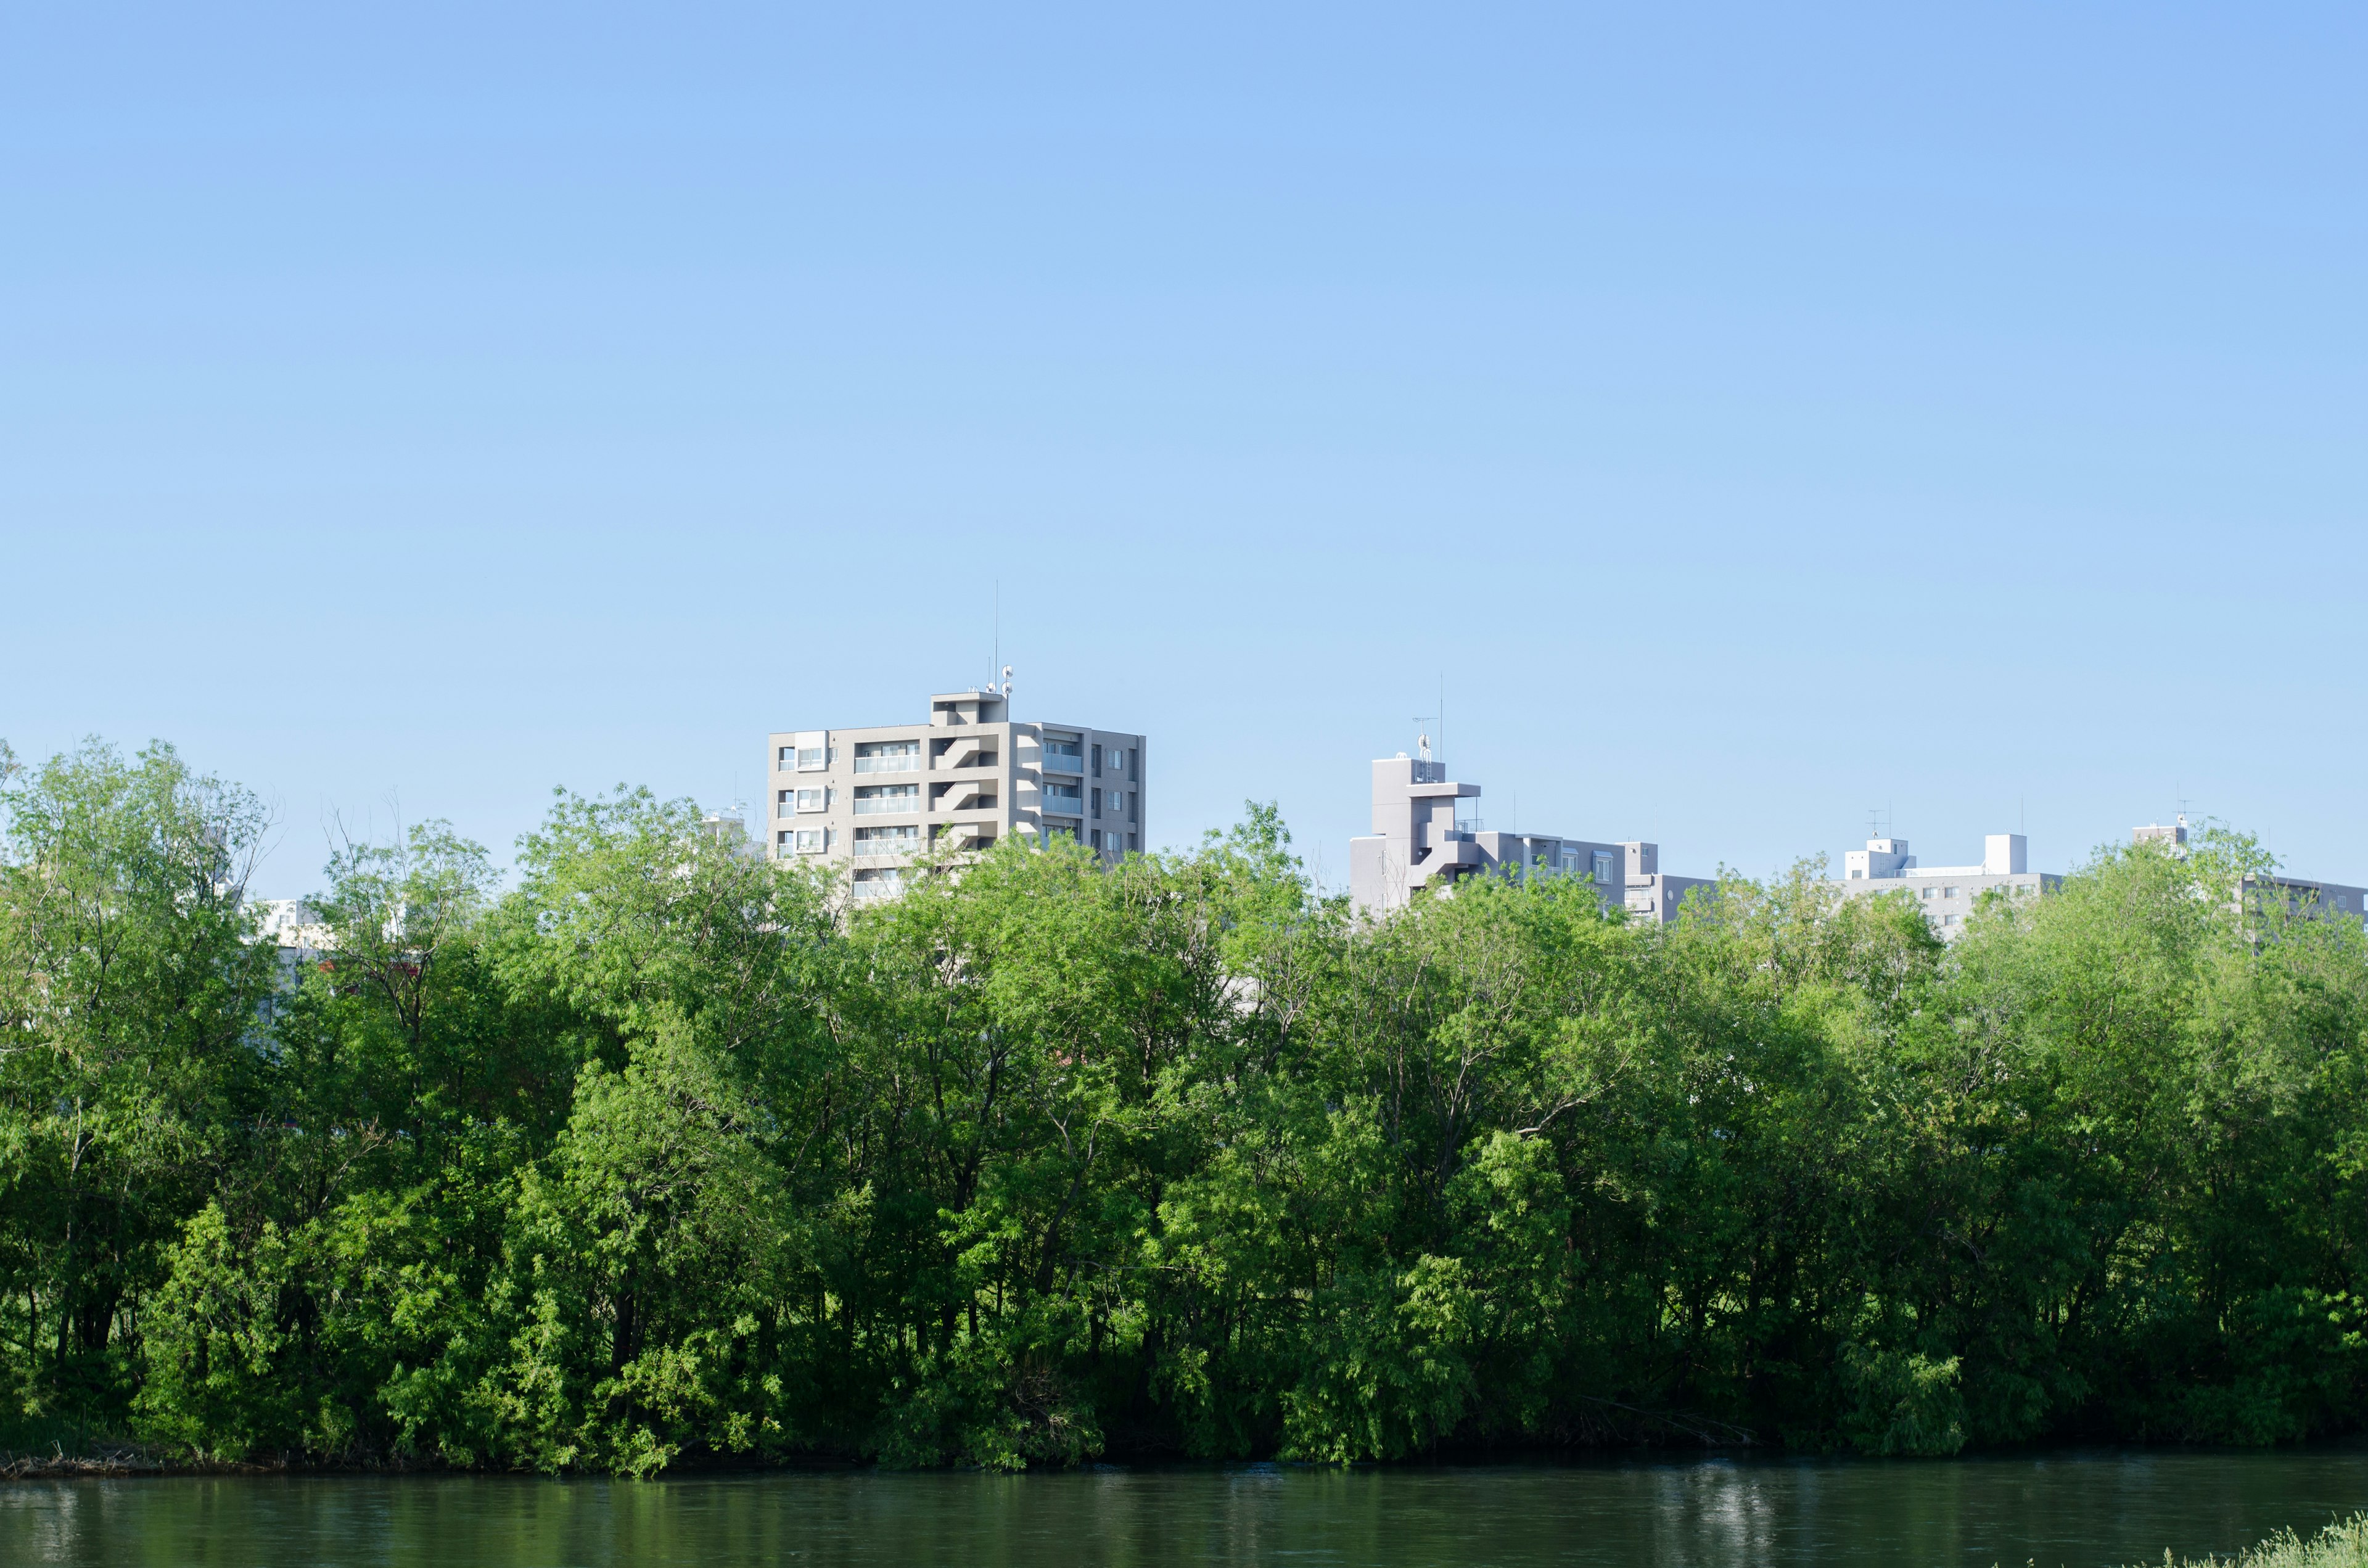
(789, 758)
(1098, 838)
(1949, 892)
(1134, 841)
(1096, 803)
(812, 840)
(1134, 766)
(810, 759)
(1134, 806)
(1952, 919)
(814, 800)
(784, 802)
(1929, 892)
(1097, 762)
(786, 840)
(1603, 868)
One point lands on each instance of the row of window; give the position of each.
(871, 842)
(1946, 891)
(905, 756)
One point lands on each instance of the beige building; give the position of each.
(1426, 834)
(2307, 897)
(868, 800)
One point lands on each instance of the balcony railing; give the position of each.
(1062, 805)
(903, 762)
(870, 848)
(1054, 762)
(887, 805)
(882, 888)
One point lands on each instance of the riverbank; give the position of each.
(2343, 1545)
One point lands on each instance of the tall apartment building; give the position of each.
(1945, 893)
(868, 800)
(1422, 839)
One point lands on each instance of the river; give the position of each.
(2079, 1509)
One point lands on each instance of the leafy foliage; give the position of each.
(668, 1152)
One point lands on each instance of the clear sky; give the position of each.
(1752, 415)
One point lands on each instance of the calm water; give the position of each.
(2094, 1508)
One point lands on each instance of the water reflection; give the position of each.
(2083, 1509)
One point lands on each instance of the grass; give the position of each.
(2343, 1545)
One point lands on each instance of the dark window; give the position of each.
(1134, 806)
(1097, 762)
(1098, 838)
(1134, 763)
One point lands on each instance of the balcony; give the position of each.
(1063, 761)
(885, 887)
(905, 762)
(1069, 806)
(871, 848)
(888, 805)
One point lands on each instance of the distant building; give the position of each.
(1422, 839)
(1945, 893)
(296, 929)
(2305, 896)
(869, 799)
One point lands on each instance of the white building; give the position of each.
(1945, 893)
(869, 799)
(1425, 837)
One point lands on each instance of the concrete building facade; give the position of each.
(868, 800)
(1945, 893)
(1425, 837)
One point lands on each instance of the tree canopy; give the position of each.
(663, 1152)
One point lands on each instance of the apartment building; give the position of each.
(869, 799)
(2306, 896)
(1945, 893)
(1427, 834)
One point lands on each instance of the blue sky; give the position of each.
(1752, 415)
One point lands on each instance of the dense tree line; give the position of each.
(662, 1153)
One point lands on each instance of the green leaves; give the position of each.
(669, 1153)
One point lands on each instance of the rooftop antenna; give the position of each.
(1873, 817)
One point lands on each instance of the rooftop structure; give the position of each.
(1946, 894)
(869, 799)
(1426, 836)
